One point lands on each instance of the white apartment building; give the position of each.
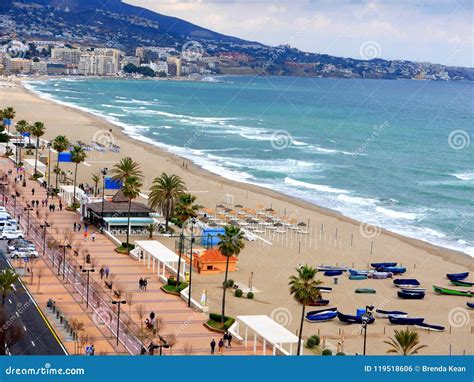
(66, 55)
(99, 62)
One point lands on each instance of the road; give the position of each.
(38, 337)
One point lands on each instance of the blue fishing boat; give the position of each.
(314, 312)
(358, 277)
(470, 305)
(348, 319)
(385, 313)
(321, 317)
(406, 282)
(394, 270)
(397, 320)
(434, 328)
(319, 303)
(457, 276)
(378, 265)
(411, 295)
(413, 290)
(333, 273)
(358, 272)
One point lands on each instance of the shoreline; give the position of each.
(99, 122)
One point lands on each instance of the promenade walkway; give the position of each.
(181, 324)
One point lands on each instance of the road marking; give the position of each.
(24, 328)
(10, 301)
(17, 314)
(33, 343)
(14, 287)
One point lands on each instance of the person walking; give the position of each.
(78, 227)
(145, 283)
(93, 236)
(92, 350)
(140, 284)
(225, 339)
(107, 272)
(101, 272)
(74, 226)
(221, 346)
(213, 345)
(229, 339)
(85, 235)
(60, 206)
(33, 192)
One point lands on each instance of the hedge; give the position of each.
(326, 352)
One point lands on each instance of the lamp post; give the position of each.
(119, 303)
(28, 209)
(181, 244)
(104, 172)
(64, 247)
(366, 317)
(193, 221)
(13, 196)
(43, 227)
(88, 271)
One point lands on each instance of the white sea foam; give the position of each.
(398, 214)
(357, 200)
(316, 187)
(464, 176)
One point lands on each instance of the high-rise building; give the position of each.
(99, 62)
(66, 55)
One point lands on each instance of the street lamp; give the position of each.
(119, 303)
(13, 196)
(43, 227)
(49, 164)
(88, 271)
(104, 172)
(193, 221)
(181, 244)
(64, 247)
(367, 318)
(28, 209)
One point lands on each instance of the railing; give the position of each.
(102, 312)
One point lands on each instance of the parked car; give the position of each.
(21, 254)
(15, 244)
(11, 234)
(3, 209)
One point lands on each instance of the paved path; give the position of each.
(185, 324)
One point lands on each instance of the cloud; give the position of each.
(420, 31)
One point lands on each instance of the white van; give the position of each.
(5, 224)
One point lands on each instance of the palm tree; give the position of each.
(151, 228)
(126, 168)
(304, 289)
(78, 155)
(231, 243)
(60, 144)
(131, 190)
(95, 179)
(185, 209)
(37, 131)
(165, 193)
(8, 114)
(21, 128)
(7, 280)
(405, 342)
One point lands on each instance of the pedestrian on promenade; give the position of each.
(92, 351)
(229, 339)
(60, 206)
(101, 272)
(93, 236)
(225, 339)
(74, 226)
(33, 192)
(86, 226)
(221, 346)
(107, 271)
(37, 203)
(140, 284)
(145, 283)
(213, 345)
(85, 235)
(78, 227)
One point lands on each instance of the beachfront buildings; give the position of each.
(99, 62)
(66, 55)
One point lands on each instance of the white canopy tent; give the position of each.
(151, 251)
(270, 331)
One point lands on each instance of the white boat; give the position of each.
(412, 289)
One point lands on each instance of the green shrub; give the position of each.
(311, 343)
(250, 295)
(326, 352)
(238, 293)
(215, 321)
(130, 245)
(340, 353)
(230, 283)
(316, 339)
(181, 287)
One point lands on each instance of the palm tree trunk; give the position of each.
(57, 171)
(128, 225)
(36, 155)
(225, 288)
(300, 334)
(75, 177)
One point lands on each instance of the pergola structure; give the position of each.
(159, 257)
(268, 330)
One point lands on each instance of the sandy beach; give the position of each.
(333, 240)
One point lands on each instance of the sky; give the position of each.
(438, 31)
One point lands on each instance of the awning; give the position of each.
(133, 221)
